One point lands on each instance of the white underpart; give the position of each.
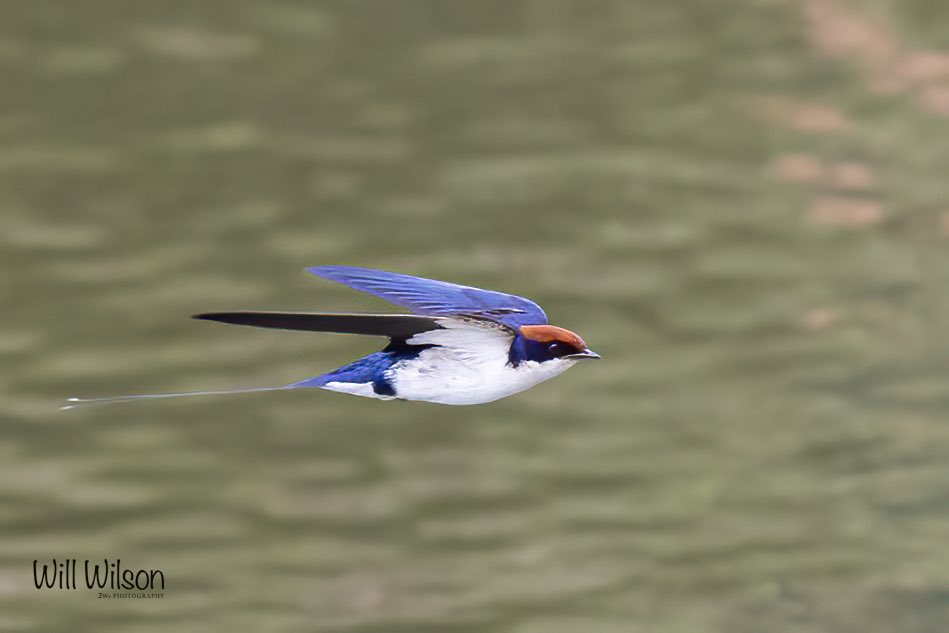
(468, 366)
(356, 388)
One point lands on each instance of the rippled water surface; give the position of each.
(742, 205)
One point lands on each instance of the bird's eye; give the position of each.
(558, 349)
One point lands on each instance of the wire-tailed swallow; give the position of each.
(459, 345)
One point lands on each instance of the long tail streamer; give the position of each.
(72, 403)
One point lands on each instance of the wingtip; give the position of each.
(320, 271)
(328, 272)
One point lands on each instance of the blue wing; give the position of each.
(436, 298)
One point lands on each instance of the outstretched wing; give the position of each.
(437, 298)
(397, 326)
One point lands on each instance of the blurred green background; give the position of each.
(743, 205)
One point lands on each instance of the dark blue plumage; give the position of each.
(368, 369)
(436, 298)
(523, 348)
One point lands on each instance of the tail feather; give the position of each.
(397, 326)
(72, 403)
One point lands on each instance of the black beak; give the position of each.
(587, 353)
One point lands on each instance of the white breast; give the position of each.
(468, 366)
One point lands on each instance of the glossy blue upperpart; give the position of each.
(437, 298)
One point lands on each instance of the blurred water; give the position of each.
(742, 205)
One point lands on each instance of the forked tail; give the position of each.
(72, 403)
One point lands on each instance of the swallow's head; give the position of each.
(541, 343)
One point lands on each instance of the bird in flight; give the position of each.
(460, 345)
